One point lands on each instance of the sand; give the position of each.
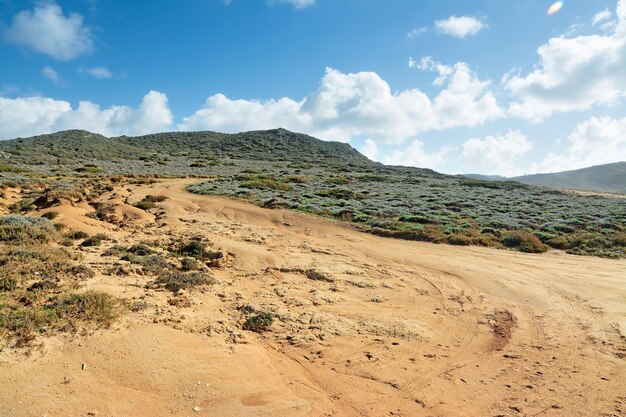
(398, 329)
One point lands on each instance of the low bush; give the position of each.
(94, 240)
(259, 322)
(93, 306)
(50, 215)
(266, 183)
(524, 242)
(150, 201)
(77, 235)
(177, 280)
(16, 228)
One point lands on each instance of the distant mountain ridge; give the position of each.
(607, 178)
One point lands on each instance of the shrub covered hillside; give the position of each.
(417, 205)
(278, 168)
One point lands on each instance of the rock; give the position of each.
(197, 409)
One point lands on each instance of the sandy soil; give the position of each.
(403, 329)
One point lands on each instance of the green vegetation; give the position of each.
(198, 250)
(50, 215)
(176, 281)
(93, 306)
(15, 228)
(524, 242)
(94, 240)
(150, 201)
(259, 322)
(281, 169)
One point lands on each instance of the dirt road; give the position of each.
(398, 328)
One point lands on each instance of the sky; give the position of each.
(480, 86)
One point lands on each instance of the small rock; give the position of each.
(197, 409)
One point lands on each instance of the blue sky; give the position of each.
(459, 86)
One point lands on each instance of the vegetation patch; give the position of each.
(150, 201)
(524, 242)
(176, 281)
(259, 322)
(199, 250)
(90, 306)
(18, 229)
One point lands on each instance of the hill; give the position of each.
(281, 169)
(70, 146)
(609, 178)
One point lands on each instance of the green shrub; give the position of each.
(89, 169)
(524, 242)
(50, 215)
(4, 167)
(176, 280)
(150, 201)
(23, 323)
(259, 322)
(189, 264)
(337, 181)
(94, 240)
(91, 306)
(341, 194)
(264, 184)
(23, 229)
(77, 235)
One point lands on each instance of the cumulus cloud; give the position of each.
(27, 116)
(370, 149)
(47, 30)
(51, 74)
(414, 155)
(595, 141)
(100, 73)
(497, 154)
(357, 104)
(573, 73)
(460, 27)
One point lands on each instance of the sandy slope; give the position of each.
(405, 329)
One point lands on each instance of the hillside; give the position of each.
(282, 169)
(71, 146)
(609, 178)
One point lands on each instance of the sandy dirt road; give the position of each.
(402, 329)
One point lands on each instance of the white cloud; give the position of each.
(97, 72)
(298, 4)
(358, 104)
(27, 116)
(497, 154)
(461, 26)
(595, 141)
(414, 155)
(416, 31)
(370, 149)
(51, 74)
(601, 16)
(47, 30)
(573, 73)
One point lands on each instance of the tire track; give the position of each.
(470, 326)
